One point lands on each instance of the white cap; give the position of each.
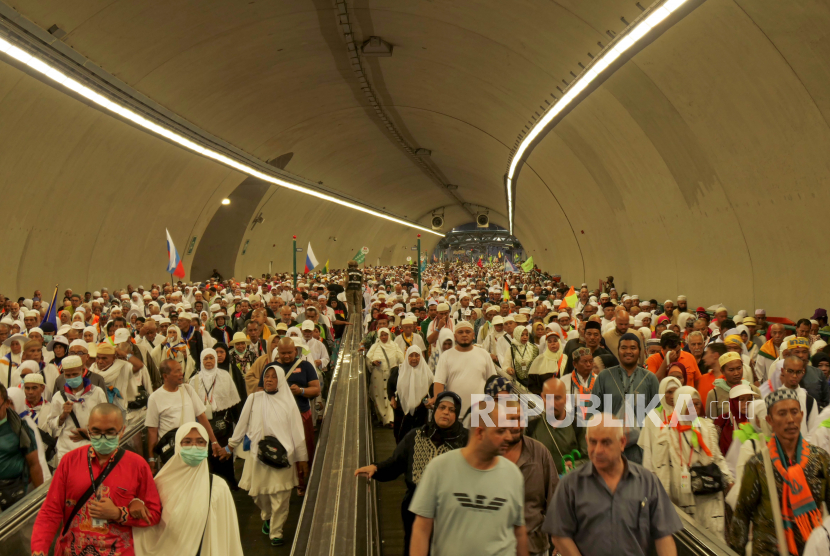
(33, 378)
(442, 307)
(78, 325)
(79, 343)
(307, 325)
(498, 319)
(121, 335)
(71, 362)
(563, 315)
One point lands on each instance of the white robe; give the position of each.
(258, 478)
(120, 375)
(417, 340)
(193, 511)
(707, 510)
(380, 375)
(81, 409)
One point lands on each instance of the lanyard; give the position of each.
(209, 391)
(680, 438)
(104, 472)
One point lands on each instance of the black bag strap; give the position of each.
(207, 519)
(91, 490)
(74, 419)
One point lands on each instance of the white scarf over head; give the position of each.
(444, 335)
(281, 418)
(383, 351)
(413, 382)
(193, 512)
(215, 386)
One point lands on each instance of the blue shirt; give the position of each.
(301, 376)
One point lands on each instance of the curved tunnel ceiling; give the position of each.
(698, 167)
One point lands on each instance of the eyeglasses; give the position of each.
(793, 372)
(99, 436)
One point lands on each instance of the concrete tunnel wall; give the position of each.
(699, 168)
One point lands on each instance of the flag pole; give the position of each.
(295, 262)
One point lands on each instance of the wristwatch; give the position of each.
(151, 460)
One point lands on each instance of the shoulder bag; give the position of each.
(270, 450)
(207, 519)
(166, 446)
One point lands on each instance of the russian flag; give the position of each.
(174, 262)
(310, 259)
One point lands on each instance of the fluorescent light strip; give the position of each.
(610, 53)
(77, 87)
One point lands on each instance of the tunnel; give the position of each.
(680, 146)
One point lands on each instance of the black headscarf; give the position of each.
(455, 435)
(226, 364)
(819, 357)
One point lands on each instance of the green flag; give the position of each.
(527, 266)
(360, 257)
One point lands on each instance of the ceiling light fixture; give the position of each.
(613, 50)
(226, 201)
(77, 87)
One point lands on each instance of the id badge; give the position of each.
(524, 367)
(208, 411)
(685, 480)
(99, 523)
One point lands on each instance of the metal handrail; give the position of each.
(22, 511)
(331, 512)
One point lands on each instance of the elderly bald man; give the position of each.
(558, 429)
(637, 515)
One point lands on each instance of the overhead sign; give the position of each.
(414, 248)
(245, 247)
(365, 250)
(192, 244)
(299, 249)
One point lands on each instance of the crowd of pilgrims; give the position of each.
(224, 370)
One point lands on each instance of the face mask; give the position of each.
(194, 455)
(47, 338)
(75, 382)
(104, 446)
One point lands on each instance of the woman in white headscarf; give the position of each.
(382, 356)
(198, 510)
(688, 445)
(753, 436)
(407, 390)
(174, 348)
(519, 356)
(10, 362)
(216, 389)
(446, 341)
(650, 433)
(550, 362)
(272, 412)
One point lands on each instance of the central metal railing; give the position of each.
(339, 514)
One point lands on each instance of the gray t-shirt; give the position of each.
(475, 511)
